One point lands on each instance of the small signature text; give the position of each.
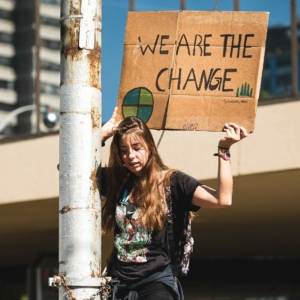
(234, 101)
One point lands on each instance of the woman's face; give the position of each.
(134, 155)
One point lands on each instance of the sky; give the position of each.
(114, 14)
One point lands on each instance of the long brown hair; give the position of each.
(148, 191)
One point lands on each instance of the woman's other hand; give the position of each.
(108, 127)
(234, 133)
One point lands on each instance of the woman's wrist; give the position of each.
(223, 147)
(107, 133)
(223, 153)
(104, 138)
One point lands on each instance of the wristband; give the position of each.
(223, 148)
(223, 154)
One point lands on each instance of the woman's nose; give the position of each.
(131, 153)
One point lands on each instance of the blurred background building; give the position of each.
(30, 66)
(277, 74)
(249, 251)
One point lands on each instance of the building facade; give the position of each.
(19, 57)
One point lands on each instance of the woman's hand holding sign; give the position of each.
(234, 134)
(107, 129)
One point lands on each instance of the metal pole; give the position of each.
(294, 48)
(182, 5)
(37, 64)
(131, 5)
(236, 5)
(79, 153)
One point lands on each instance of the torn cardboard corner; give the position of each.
(192, 70)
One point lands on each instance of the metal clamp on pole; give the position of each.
(63, 18)
(59, 280)
(55, 281)
(101, 283)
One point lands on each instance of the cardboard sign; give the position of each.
(192, 70)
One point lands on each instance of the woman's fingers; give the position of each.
(234, 125)
(107, 130)
(235, 131)
(231, 129)
(115, 112)
(243, 132)
(113, 116)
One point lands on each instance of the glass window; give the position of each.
(50, 44)
(52, 2)
(48, 66)
(276, 78)
(49, 89)
(6, 38)
(6, 61)
(5, 14)
(49, 21)
(5, 84)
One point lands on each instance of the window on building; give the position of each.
(48, 88)
(5, 84)
(6, 38)
(50, 44)
(49, 21)
(51, 2)
(48, 66)
(6, 61)
(5, 15)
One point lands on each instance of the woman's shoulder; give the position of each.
(182, 182)
(182, 188)
(179, 176)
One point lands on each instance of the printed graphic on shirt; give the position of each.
(132, 242)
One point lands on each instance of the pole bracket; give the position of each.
(101, 284)
(59, 280)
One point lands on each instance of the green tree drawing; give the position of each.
(245, 90)
(248, 89)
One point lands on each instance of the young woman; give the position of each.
(142, 196)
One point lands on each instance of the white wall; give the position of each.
(28, 168)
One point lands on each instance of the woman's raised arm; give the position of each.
(207, 197)
(107, 128)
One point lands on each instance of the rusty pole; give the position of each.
(131, 5)
(79, 153)
(236, 5)
(182, 5)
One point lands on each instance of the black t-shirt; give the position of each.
(142, 252)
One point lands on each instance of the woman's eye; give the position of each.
(137, 147)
